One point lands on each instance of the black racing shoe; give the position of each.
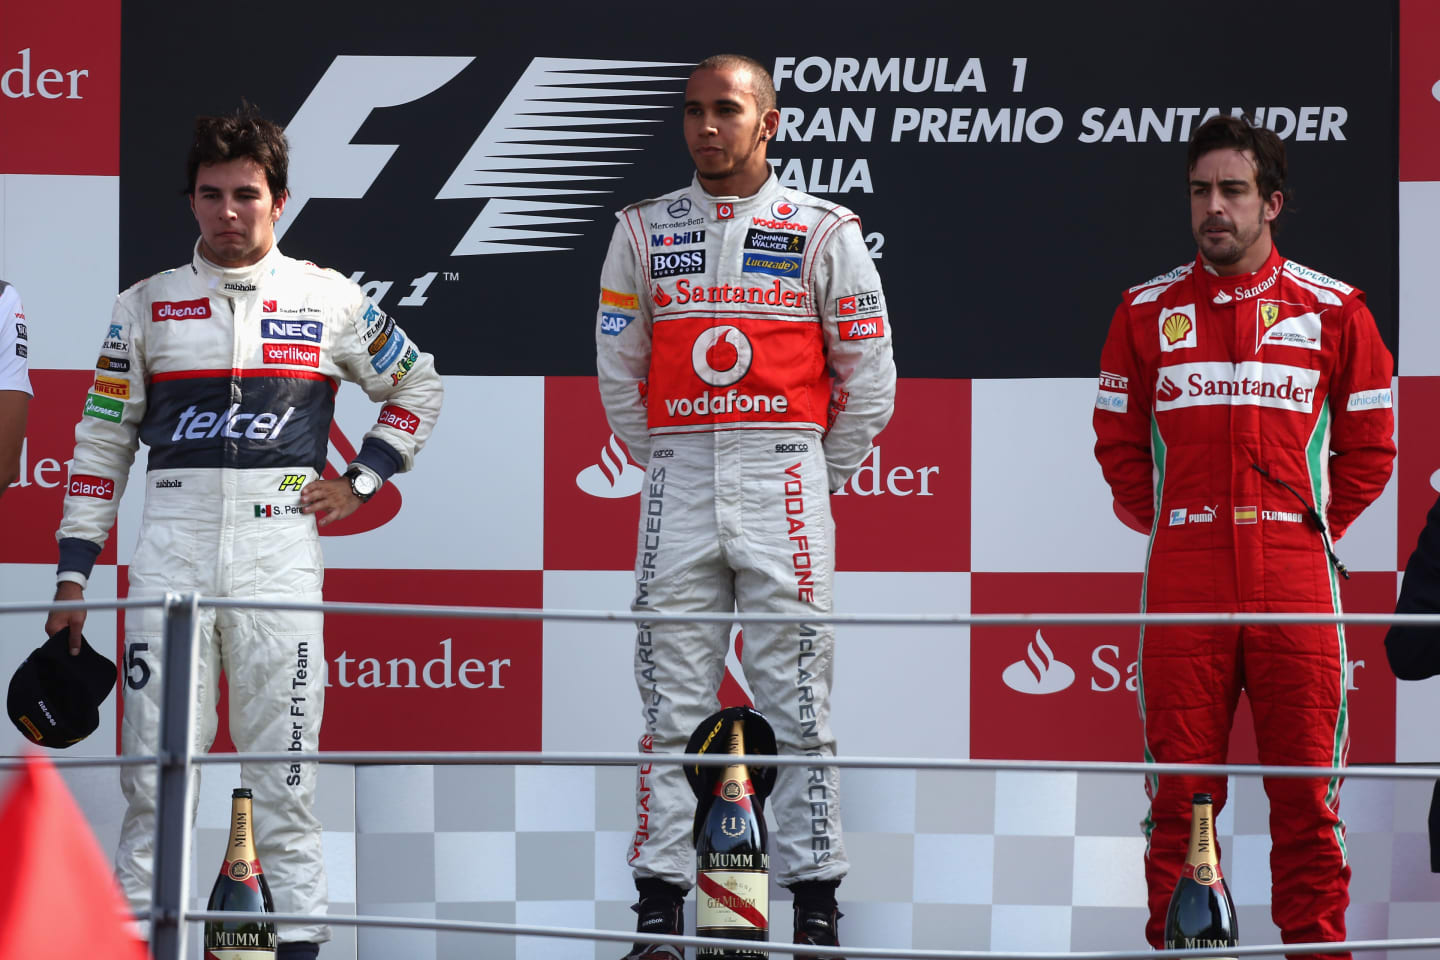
(660, 914)
(299, 950)
(816, 926)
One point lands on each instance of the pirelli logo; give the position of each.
(625, 301)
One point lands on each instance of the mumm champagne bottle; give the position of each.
(1201, 912)
(732, 891)
(241, 887)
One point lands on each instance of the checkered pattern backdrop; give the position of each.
(982, 496)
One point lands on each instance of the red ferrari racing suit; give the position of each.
(1246, 421)
(744, 355)
(229, 376)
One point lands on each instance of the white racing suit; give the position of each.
(229, 377)
(744, 355)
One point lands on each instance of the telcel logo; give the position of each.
(197, 425)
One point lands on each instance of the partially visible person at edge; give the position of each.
(15, 391)
(1244, 421)
(743, 349)
(226, 367)
(1414, 651)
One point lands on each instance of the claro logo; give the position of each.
(101, 488)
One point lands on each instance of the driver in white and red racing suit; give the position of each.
(744, 357)
(228, 375)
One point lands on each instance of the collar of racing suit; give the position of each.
(757, 204)
(1233, 284)
(234, 281)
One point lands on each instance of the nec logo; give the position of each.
(399, 418)
(273, 328)
(180, 310)
(324, 134)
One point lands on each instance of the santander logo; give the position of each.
(614, 477)
(1040, 672)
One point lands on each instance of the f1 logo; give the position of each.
(724, 211)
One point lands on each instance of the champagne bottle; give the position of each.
(242, 887)
(732, 891)
(1201, 912)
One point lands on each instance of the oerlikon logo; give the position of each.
(1039, 672)
(614, 477)
(538, 116)
(721, 356)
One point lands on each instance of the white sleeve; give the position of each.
(622, 341)
(14, 342)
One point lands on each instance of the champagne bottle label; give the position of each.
(732, 900)
(242, 870)
(1206, 873)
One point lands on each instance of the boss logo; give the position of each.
(671, 264)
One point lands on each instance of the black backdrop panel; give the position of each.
(1003, 252)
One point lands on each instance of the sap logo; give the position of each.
(671, 264)
(324, 134)
(1040, 672)
(613, 323)
(179, 310)
(273, 328)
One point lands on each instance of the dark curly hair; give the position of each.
(244, 133)
(1223, 132)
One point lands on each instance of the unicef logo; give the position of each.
(721, 356)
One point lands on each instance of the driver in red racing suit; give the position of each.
(1244, 420)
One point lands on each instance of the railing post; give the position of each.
(173, 804)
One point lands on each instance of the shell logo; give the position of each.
(1176, 328)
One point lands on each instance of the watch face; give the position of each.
(363, 484)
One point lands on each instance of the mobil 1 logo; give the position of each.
(673, 264)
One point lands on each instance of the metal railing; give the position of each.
(175, 757)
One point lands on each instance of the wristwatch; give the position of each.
(362, 483)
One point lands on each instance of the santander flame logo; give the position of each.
(1167, 391)
(614, 477)
(1039, 672)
